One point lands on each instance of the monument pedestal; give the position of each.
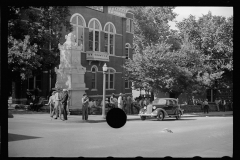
(70, 74)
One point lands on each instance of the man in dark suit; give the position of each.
(85, 103)
(64, 104)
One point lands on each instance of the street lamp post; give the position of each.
(105, 68)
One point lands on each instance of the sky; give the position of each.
(184, 12)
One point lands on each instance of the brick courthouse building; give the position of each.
(106, 36)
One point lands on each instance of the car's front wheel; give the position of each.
(178, 115)
(160, 116)
(143, 118)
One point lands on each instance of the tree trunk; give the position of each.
(152, 96)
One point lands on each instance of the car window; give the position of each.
(174, 102)
(159, 101)
(170, 102)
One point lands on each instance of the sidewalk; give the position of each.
(200, 114)
(98, 118)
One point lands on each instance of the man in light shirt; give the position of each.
(120, 101)
(57, 107)
(112, 100)
(51, 102)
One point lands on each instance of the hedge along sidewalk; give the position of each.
(199, 108)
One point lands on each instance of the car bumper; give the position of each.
(151, 115)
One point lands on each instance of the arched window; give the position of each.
(78, 24)
(127, 50)
(109, 38)
(94, 34)
(110, 77)
(94, 77)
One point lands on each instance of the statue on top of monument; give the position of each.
(70, 39)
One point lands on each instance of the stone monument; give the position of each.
(70, 74)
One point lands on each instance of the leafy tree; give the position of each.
(212, 36)
(22, 56)
(43, 25)
(151, 25)
(189, 61)
(150, 28)
(157, 69)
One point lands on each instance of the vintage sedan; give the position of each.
(161, 108)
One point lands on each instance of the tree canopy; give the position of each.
(42, 26)
(188, 60)
(212, 36)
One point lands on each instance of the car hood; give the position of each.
(149, 109)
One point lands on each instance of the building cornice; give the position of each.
(119, 11)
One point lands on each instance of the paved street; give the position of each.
(36, 135)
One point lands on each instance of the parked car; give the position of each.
(161, 108)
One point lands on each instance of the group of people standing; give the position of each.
(126, 103)
(122, 102)
(58, 103)
(221, 104)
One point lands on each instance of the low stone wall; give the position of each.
(19, 101)
(197, 108)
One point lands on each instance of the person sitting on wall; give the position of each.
(90, 106)
(34, 102)
(36, 92)
(106, 103)
(38, 103)
(29, 97)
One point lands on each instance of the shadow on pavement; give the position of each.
(89, 121)
(17, 137)
(173, 119)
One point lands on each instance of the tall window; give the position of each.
(129, 25)
(127, 83)
(127, 50)
(94, 77)
(110, 79)
(109, 38)
(78, 24)
(34, 82)
(94, 35)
